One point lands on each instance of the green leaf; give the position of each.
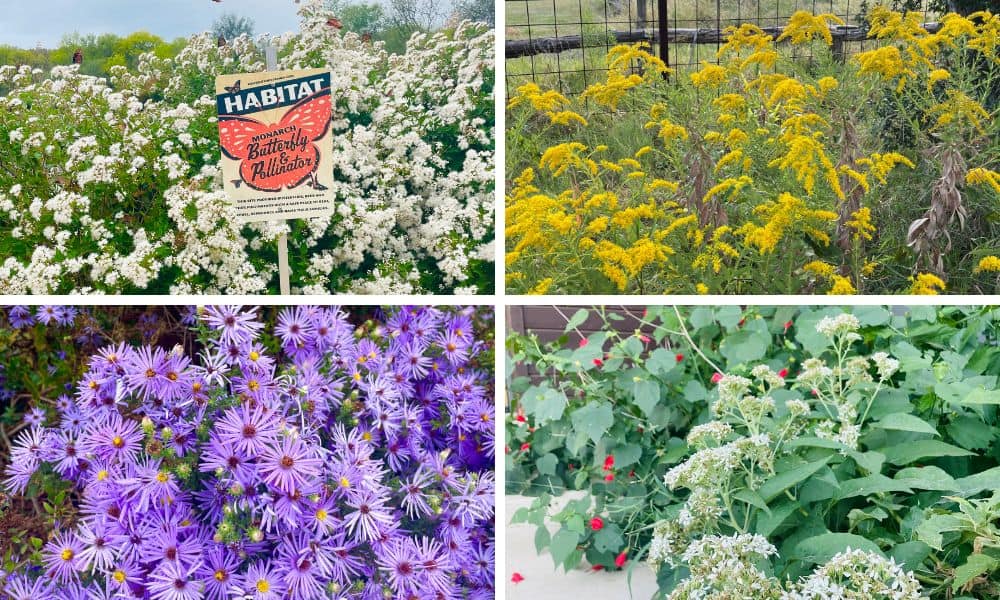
(647, 395)
(609, 539)
(870, 461)
(872, 315)
(660, 362)
(821, 548)
(976, 565)
(744, 346)
(546, 464)
(593, 419)
(769, 523)
(970, 432)
(926, 478)
(905, 422)
(908, 452)
(910, 554)
(974, 484)
(627, 455)
(782, 481)
(979, 395)
(873, 484)
(931, 530)
(542, 539)
(577, 319)
(752, 498)
(563, 544)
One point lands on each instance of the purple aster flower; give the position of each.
(236, 327)
(295, 325)
(62, 558)
(400, 561)
(113, 439)
(369, 517)
(174, 581)
(20, 317)
(98, 552)
(248, 430)
(263, 582)
(290, 465)
(49, 314)
(35, 416)
(220, 572)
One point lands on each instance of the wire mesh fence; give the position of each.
(562, 44)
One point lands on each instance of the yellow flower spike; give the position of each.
(935, 76)
(981, 176)
(828, 84)
(729, 158)
(701, 288)
(710, 75)
(879, 165)
(542, 287)
(926, 284)
(746, 36)
(868, 269)
(567, 118)
(959, 107)
(643, 151)
(730, 184)
(988, 264)
(733, 103)
(861, 178)
(820, 268)
(804, 27)
(539, 100)
(661, 184)
(886, 62)
(861, 223)
(842, 286)
(736, 138)
(560, 157)
(607, 164)
(598, 225)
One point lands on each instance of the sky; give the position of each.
(25, 23)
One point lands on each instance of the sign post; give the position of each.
(274, 130)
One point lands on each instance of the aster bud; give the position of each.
(387, 593)
(183, 470)
(217, 538)
(256, 535)
(219, 472)
(225, 528)
(147, 425)
(166, 434)
(335, 587)
(228, 509)
(236, 489)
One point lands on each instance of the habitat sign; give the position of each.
(274, 131)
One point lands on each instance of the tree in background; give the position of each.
(482, 11)
(231, 26)
(363, 17)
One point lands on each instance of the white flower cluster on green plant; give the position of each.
(114, 185)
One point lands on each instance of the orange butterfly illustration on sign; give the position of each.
(283, 154)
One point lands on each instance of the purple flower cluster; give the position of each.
(348, 463)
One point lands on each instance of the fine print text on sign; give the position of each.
(274, 130)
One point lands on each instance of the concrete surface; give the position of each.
(542, 581)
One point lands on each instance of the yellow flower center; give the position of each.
(263, 586)
(119, 576)
(172, 376)
(221, 575)
(196, 386)
(162, 477)
(67, 554)
(253, 385)
(92, 385)
(254, 356)
(118, 442)
(367, 436)
(321, 515)
(102, 474)
(345, 482)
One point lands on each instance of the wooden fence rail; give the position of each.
(554, 45)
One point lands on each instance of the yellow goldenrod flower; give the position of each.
(643, 151)
(868, 269)
(983, 176)
(709, 76)
(935, 76)
(560, 157)
(539, 100)
(733, 103)
(611, 93)
(784, 215)
(567, 118)
(701, 288)
(988, 264)
(661, 184)
(957, 107)
(841, 286)
(803, 27)
(746, 36)
(861, 223)
(668, 130)
(926, 284)
(827, 84)
(730, 184)
(542, 287)
(598, 225)
(729, 158)
(879, 165)
(820, 268)
(887, 62)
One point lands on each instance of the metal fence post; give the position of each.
(661, 33)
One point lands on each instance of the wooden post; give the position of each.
(271, 59)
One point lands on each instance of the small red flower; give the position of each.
(645, 312)
(609, 462)
(716, 377)
(597, 568)
(644, 338)
(621, 558)
(584, 342)
(525, 446)
(815, 392)
(788, 325)
(598, 362)
(783, 373)
(679, 357)
(506, 449)
(516, 577)
(741, 323)
(609, 477)
(520, 419)
(596, 524)
(570, 466)
(631, 473)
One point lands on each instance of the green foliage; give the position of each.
(891, 459)
(231, 26)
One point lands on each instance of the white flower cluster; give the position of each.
(114, 184)
(885, 365)
(708, 468)
(857, 575)
(725, 567)
(843, 324)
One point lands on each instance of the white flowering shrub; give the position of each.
(113, 185)
(768, 453)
